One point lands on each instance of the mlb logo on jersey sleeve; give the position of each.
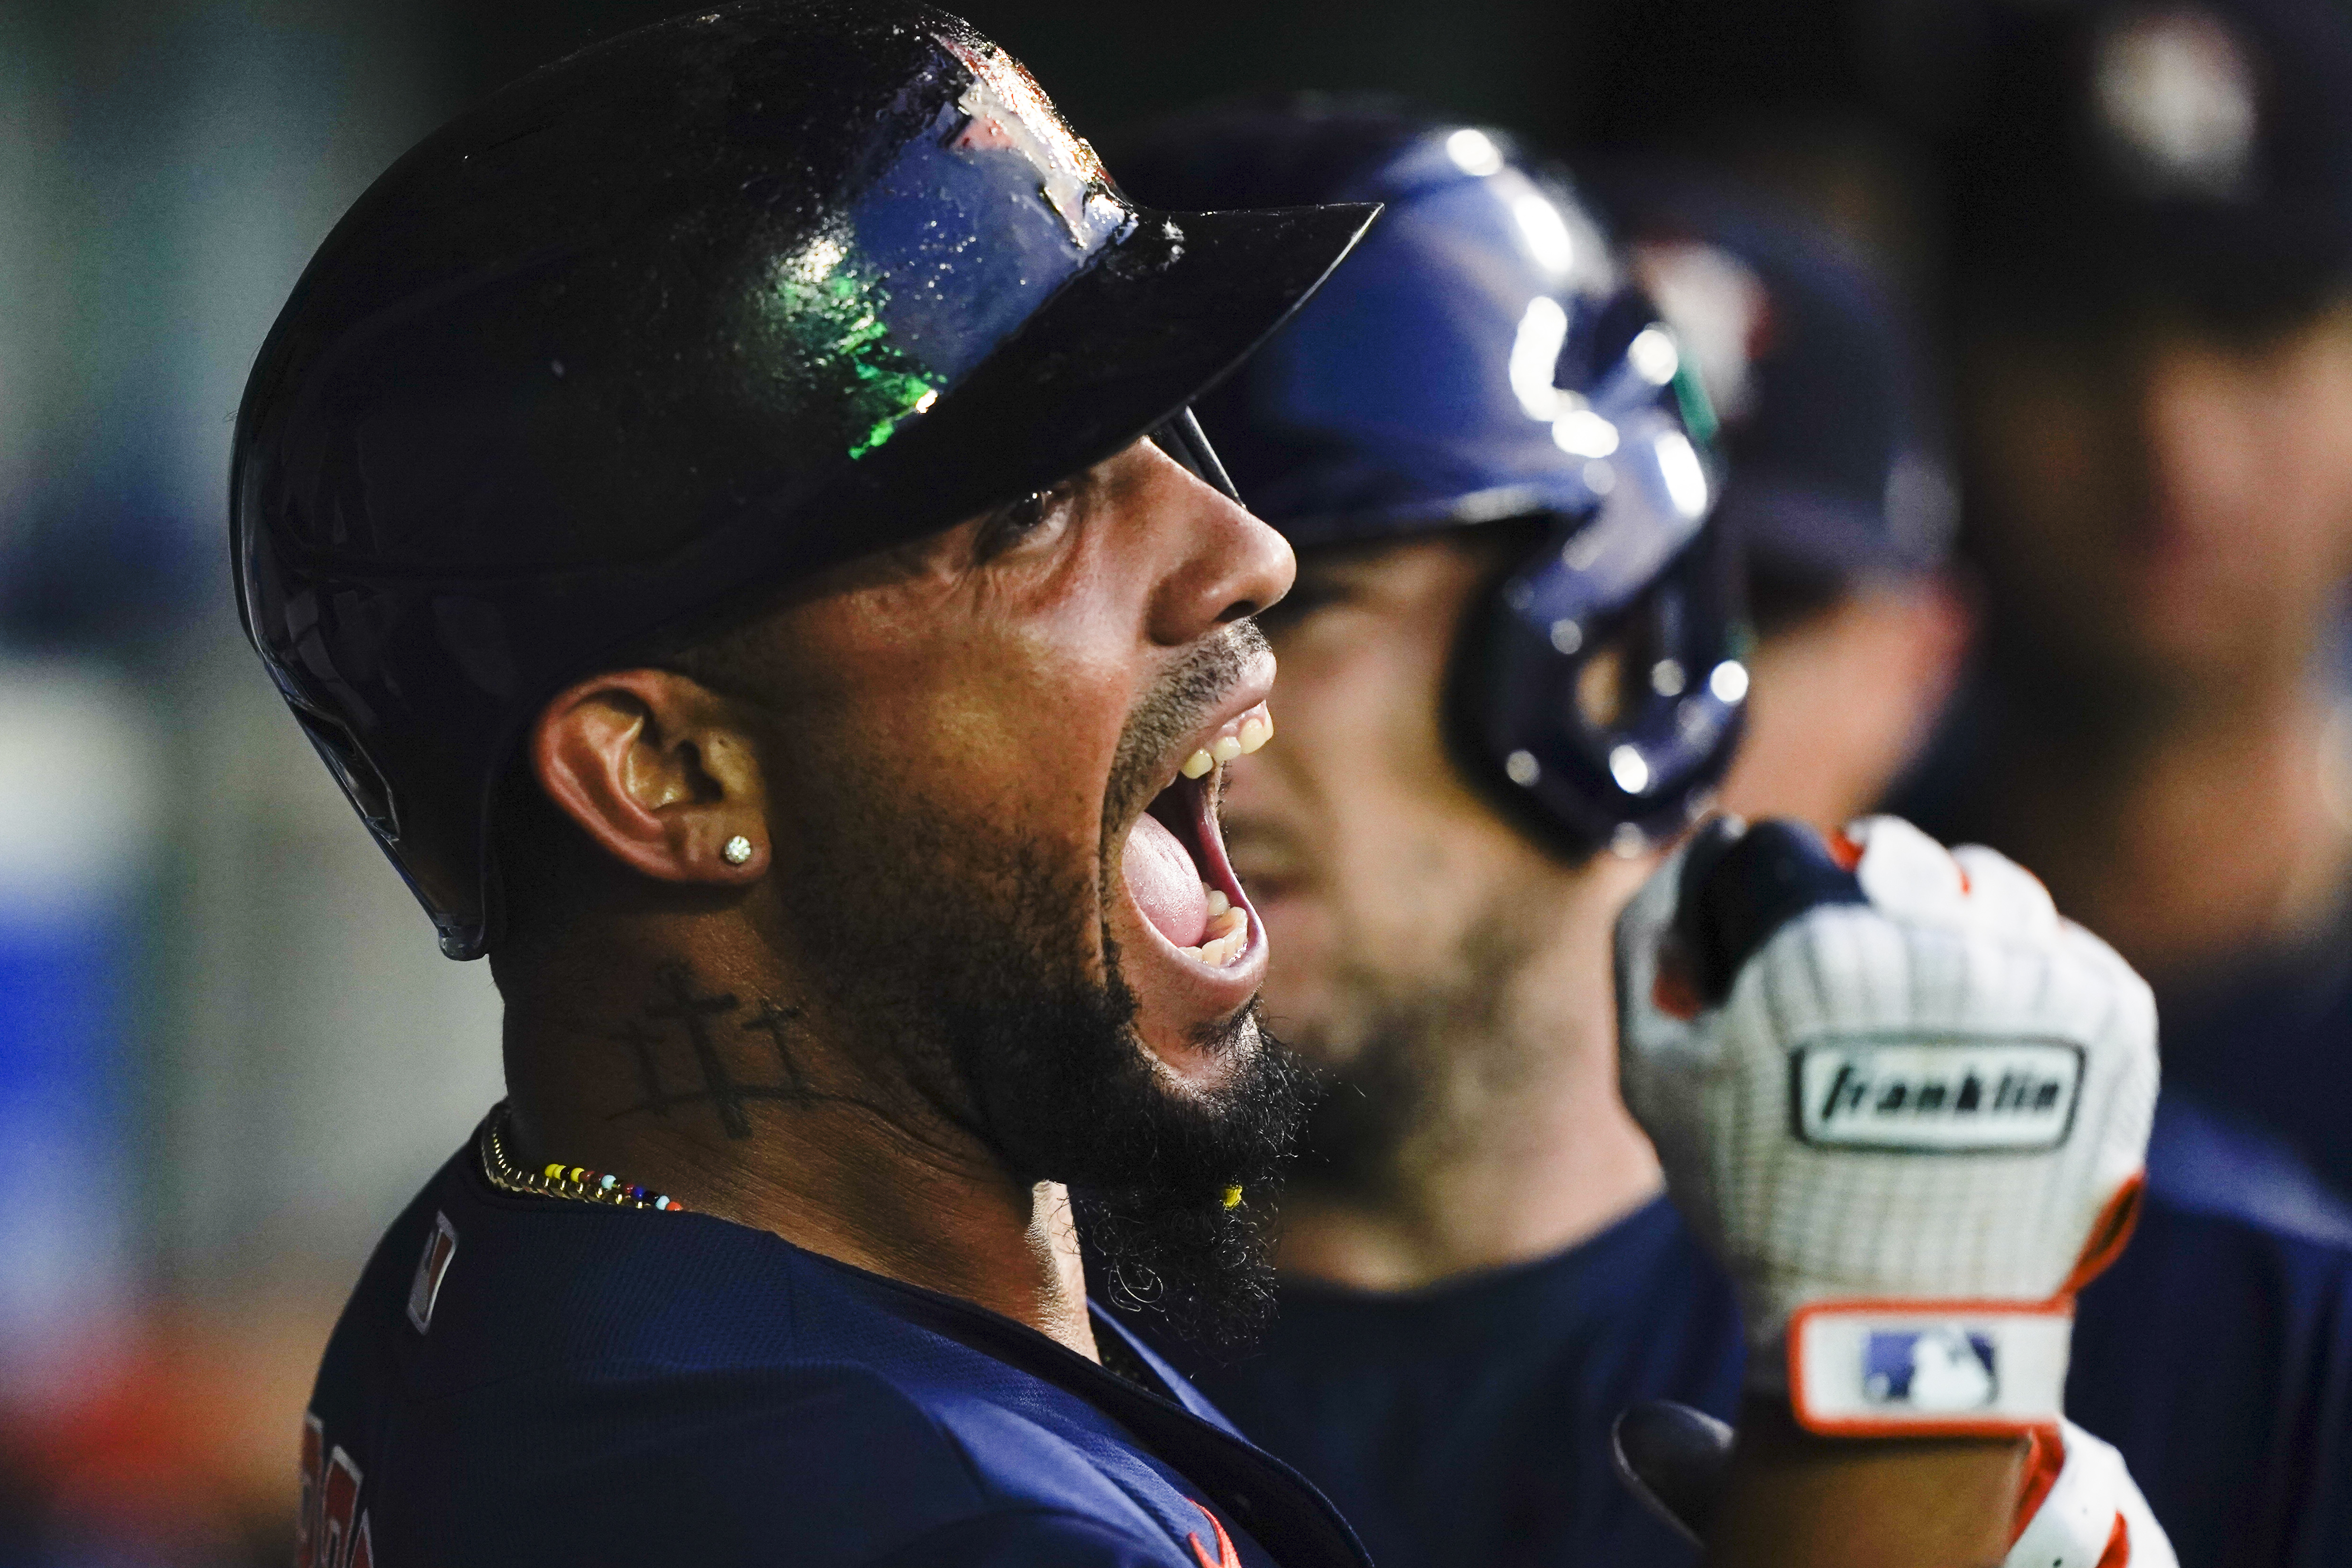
(431, 1268)
(1952, 1096)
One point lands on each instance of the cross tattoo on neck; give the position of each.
(642, 1040)
(695, 1012)
(775, 1023)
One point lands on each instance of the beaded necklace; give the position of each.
(559, 1180)
(583, 1186)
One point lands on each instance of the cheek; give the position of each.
(2312, 463)
(2047, 470)
(1832, 713)
(1051, 736)
(1325, 814)
(1363, 734)
(1403, 848)
(1006, 739)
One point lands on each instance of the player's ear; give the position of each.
(1940, 615)
(660, 772)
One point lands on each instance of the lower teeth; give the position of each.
(1230, 933)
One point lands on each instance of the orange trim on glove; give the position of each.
(2109, 1234)
(1824, 1426)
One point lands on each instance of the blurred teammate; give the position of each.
(1837, 492)
(1478, 1273)
(2151, 278)
(1861, 628)
(720, 509)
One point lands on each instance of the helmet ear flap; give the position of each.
(1607, 727)
(363, 783)
(1470, 716)
(371, 795)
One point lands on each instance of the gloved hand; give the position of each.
(1902, 1101)
(2080, 1507)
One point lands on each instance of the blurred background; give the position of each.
(229, 1050)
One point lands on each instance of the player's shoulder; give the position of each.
(519, 1382)
(2235, 1222)
(825, 1465)
(2203, 1161)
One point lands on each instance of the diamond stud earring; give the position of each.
(737, 851)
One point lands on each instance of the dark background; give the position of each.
(1567, 74)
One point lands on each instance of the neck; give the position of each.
(715, 1078)
(2217, 825)
(1522, 1148)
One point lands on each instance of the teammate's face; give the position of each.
(2160, 506)
(1406, 914)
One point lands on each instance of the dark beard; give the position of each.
(961, 949)
(1391, 1096)
(1069, 1096)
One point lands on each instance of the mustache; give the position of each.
(1179, 703)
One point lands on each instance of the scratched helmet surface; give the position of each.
(702, 309)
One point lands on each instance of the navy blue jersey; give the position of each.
(2268, 1040)
(2217, 1353)
(1466, 1425)
(522, 1381)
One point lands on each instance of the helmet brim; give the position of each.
(1167, 312)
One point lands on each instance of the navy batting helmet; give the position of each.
(1485, 357)
(702, 309)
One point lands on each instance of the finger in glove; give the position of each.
(1739, 886)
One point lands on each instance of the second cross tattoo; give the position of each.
(698, 1013)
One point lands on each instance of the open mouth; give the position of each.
(1174, 863)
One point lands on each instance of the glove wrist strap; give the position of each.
(1928, 1369)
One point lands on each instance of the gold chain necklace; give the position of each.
(574, 1182)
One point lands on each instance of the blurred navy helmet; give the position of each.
(1834, 474)
(1485, 357)
(693, 313)
(2104, 154)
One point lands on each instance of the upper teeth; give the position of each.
(1256, 727)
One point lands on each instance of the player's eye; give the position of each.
(1036, 515)
(1312, 590)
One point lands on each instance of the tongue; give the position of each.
(1164, 883)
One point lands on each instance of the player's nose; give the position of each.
(1226, 565)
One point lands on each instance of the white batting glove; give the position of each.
(1901, 1099)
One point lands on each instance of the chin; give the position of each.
(1207, 1057)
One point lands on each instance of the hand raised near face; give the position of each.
(1906, 1105)
(1904, 1102)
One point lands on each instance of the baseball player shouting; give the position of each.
(725, 511)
